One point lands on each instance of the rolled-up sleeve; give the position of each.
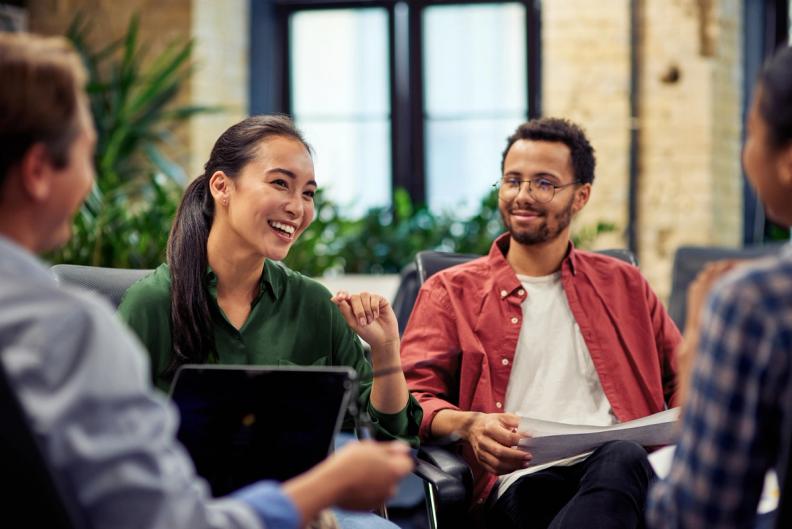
(430, 354)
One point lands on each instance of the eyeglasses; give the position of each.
(541, 189)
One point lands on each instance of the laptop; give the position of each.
(242, 424)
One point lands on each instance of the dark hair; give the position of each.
(563, 131)
(775, 104)
(40, 95)
(191, 316)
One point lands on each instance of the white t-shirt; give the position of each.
(553, 377)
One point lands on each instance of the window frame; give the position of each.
(269, 52)
(766, 24)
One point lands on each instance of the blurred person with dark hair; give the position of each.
(540, 329)
(81, 378)
(737, 420)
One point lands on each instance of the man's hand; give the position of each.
(360, 476)
(493, 437)
(368, 472)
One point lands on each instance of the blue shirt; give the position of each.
(737, 422)
(108, 436)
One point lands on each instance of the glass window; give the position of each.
(341, 101)
(475, 96)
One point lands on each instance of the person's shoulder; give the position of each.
(762, 282)
(50, 306)
(153, 289)
(607, 267)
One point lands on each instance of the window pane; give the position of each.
(465, 161)
(476, 95)
(351, 161)
(340, 99)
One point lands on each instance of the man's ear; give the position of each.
(36, 172)
(582, 195)
(220, 185)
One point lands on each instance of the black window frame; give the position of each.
(271, 77)
(766, 24)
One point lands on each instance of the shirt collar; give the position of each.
(504, 276)
(270, 280)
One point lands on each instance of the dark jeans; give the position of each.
(607, 490)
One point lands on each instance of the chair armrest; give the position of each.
(450, 463)
(446, 497)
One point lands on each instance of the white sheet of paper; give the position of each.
(552, 441)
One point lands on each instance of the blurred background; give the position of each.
(408, 105)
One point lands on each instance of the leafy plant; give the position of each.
(125, 220)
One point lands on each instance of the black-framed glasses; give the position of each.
(541, 189)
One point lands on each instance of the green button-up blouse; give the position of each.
(292, 322)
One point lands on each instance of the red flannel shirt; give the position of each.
(459, 344)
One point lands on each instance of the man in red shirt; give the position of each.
(540, 329)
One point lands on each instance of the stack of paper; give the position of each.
(552, 441)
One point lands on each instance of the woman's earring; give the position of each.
(225, 202)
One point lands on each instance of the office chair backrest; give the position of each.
(405, 296)
(430, 262)
(690, 260)
(111, 283)
(26, 479)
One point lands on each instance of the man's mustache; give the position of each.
(535, 211)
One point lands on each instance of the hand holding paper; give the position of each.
(551, 441)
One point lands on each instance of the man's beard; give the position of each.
(541, 233)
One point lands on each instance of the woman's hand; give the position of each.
(371, 317)
(697, 294)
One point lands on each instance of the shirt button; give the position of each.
(521, 292)
(505, 361)
(503, 293)
(515, 320)
(498, 405)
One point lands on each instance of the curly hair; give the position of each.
(563, 131)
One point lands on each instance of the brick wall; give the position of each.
(689, 117)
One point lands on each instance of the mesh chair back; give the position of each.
(690, 260)
(26, 479)
(111, 283)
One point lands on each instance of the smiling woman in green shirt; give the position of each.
(221, 298)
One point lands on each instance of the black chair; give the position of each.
(26, 478)
(688, 262)
(404, 299)
(450, 488)
(110, 283)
